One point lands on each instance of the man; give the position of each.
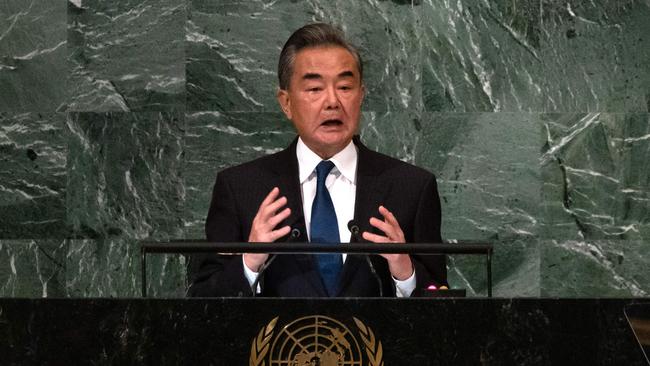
(311, 191)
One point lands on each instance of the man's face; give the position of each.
(324, 98)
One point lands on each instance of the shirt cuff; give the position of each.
(251, 276)
(403, 288)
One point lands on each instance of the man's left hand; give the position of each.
(400, 265)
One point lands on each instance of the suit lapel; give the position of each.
(286, 169)
(371, 191)
(369, 195)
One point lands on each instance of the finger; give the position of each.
(375, 238)
(270, 197)
(396, 230)
(388, 216)
(276, 219)
(277, 234)
(382, 225)
(273, 207)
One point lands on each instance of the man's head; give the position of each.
(321, 87)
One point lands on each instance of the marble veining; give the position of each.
(33, 45)
(126, 56)
(533, 114)
(33, 176)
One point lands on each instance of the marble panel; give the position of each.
(112, 268)
(588, 58)
(397, 134)
(215, 141)
(33, 155)
(476, 158)
(596, 181)
(166, 275)
(32, 55)
(233, 50)
(32, 268)
(481, 56)
(488, 173)
(535, 55)
(595, 268)
(126, 55)
(124, 175)
(636, 59)
(515, 270)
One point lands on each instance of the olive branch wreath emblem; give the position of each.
(260, 346)
(374, 349)
(261, 343)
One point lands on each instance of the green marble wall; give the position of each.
(534, 115)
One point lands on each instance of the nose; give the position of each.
(332, 99)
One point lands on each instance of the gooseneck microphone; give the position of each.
(354, 229)
(293, 235)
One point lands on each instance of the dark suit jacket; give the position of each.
(407, 191)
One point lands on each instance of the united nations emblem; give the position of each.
(315, 340)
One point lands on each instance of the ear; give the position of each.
(363, 92)
(285, 102)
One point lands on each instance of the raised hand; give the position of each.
(400, 265)
(263, 229)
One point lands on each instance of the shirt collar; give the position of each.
(345, 161)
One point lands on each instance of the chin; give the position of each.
(337, 141)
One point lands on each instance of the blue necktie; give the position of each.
(325, 229)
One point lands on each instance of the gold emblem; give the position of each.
(315, 340)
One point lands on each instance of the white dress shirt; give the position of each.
(341, 184)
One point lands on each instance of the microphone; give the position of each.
(294, 234)
(354, 229)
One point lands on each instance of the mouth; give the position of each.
(332, 123)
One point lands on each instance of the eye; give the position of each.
(314, 89)
(345, 87)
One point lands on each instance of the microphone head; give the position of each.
(297, 227)
(353, 227)
(295, 233)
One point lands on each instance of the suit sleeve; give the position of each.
(429, 269)
(213, 274)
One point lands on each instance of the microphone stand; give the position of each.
(295, 234)
(354, 229)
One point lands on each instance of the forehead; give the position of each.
(325, 61)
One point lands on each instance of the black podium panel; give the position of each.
(317, 331)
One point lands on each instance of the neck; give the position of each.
(328, 151)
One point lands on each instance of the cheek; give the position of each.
(308, 110)
(354, 105)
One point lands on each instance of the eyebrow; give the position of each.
(346, 74)
(314, 76)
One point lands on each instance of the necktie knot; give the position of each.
(323, 169)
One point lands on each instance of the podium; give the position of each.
(247, 331)
(321, 331)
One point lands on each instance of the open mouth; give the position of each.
(332, 122)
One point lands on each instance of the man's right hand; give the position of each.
(268, 216)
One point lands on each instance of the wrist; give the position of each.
(253, 262)
(402, 268)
